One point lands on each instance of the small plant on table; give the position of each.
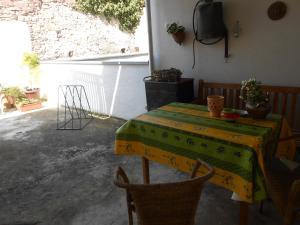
(257, 103)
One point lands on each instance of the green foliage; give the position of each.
(26, 101)
(12, 91)
(19, 95)
(174, 28)
(15, 92)
(252, 93)
(127, 12)
(31, 60)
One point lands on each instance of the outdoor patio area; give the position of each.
(66, 177)
(198, 101)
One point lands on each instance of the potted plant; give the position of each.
(9, 96)
(26, 104)
(177, 32)
(12, 97)
(257, 103)
(31, 60)
(167, 75)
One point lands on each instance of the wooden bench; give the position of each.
(284, 100)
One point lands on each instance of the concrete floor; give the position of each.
(65, 177)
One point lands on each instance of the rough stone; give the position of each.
(86, 32)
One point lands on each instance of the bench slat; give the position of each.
(237, 99)
(275, 103)
(230, 98)
(284, 103)
(205, 96)
(201, 91)
(293, 109)
(225, 95)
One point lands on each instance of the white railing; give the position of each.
(114, 85)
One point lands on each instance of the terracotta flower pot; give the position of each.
(29, 107)
(215, 105)
(11, 100)
(179, 37)
(35, 93)
(7, 102)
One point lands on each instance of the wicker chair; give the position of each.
(164, 204)
(284, 187)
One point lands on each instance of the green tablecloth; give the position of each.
(178, 134)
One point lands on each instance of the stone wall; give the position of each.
(58, 31)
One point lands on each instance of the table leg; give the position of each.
(146, 174)
(244, 213)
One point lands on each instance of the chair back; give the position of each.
(168, 203)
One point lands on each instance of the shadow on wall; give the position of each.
(96, 91)
(114, 90)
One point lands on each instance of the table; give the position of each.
(178, 133)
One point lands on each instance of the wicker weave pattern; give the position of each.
(164, 204)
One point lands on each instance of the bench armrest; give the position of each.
(296, 136)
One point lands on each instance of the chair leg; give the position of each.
(130, 208)
(287, 223)
(289, 219)
(261, 207)
(130, 217)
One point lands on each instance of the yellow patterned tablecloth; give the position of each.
(177, 134)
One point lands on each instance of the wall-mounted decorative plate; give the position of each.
(277, 10)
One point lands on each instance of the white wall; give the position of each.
(268, 50)
(14, 41)
(115, 89)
